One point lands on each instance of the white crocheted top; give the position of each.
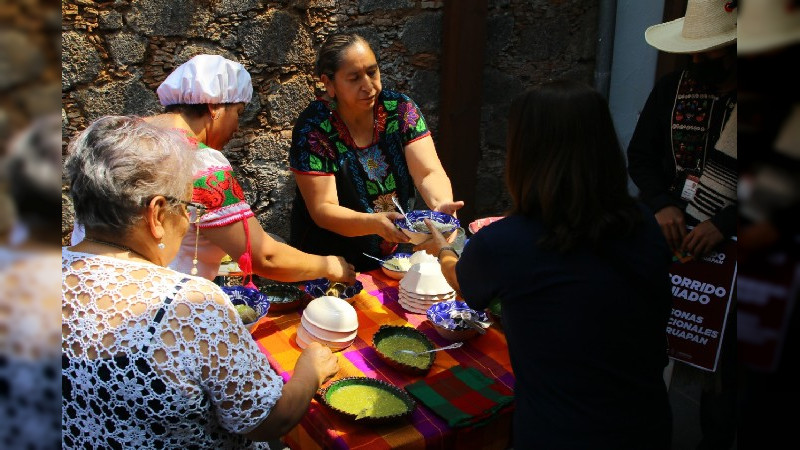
(143, 371)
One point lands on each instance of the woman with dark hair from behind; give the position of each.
(581, 271)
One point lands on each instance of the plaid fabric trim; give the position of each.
(462, 396)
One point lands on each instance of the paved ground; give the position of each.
(684, 396)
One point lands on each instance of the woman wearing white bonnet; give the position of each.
(204, 98)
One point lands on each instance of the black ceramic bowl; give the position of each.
(389, 392)
(415, 365)
(284, 297)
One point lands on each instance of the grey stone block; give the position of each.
(382, 5)
(226, 7)
(193, 49)
(499, 30)
(279, 38)
(80, 62)
(127, 48)
(546, 40)
(425, 89)
(129, 97)
(423, 33)
(161, 18)
(109, 20)
(288, 100)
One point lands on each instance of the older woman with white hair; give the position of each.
(151, 357)
(203, 99)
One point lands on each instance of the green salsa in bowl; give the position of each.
(389, 339)
(367, 400)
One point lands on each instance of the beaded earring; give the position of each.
(161, 246)
(194, 260)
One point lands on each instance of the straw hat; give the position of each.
(208, 79)
(767, 25)
(707, 25)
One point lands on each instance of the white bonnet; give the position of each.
(206, 79)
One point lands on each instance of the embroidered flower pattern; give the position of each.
(374, 163)
(217, 189)
(319, 144)
(380, 118)
(344, 133)
(383, 203)
(408, 116)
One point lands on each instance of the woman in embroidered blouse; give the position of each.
(155, 358)
(352, 152)
(204, 98)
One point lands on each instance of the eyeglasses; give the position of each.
(193, 210)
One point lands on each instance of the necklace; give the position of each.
(119, 246)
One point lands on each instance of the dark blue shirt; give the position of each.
(586, 333)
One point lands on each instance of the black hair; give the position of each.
(565, 166)
(332, 52)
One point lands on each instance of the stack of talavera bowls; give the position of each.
(422, 286)
(330, 321)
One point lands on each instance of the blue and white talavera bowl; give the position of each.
(251, 297)
(440, 316)
(403, 261)
(420, 233)
(321, 287)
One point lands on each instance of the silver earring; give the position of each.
(161, 246)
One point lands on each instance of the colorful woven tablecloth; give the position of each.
(377, 305)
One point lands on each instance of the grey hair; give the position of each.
(118, 163)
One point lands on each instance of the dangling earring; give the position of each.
(196, 239)
(161, 246)
(332, 104)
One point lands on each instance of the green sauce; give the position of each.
(366, 401)
(247, 313)
(390, 344)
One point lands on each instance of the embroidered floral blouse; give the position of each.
(366, 177)
(216, 188)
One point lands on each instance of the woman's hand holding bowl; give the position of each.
(386, 227)
(436, 241)
(450, 207)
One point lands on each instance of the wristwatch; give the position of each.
(447, 247)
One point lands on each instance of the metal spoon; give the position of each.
(385, 263)
(400, 208)
(466, 317)
(447, 347)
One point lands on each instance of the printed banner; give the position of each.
(702, 290)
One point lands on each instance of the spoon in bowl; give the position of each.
(447, 347)
(385, 263)
(400, 208)
(467, 318)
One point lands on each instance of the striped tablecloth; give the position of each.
(377, 305)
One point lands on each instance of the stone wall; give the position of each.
(116, 53)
